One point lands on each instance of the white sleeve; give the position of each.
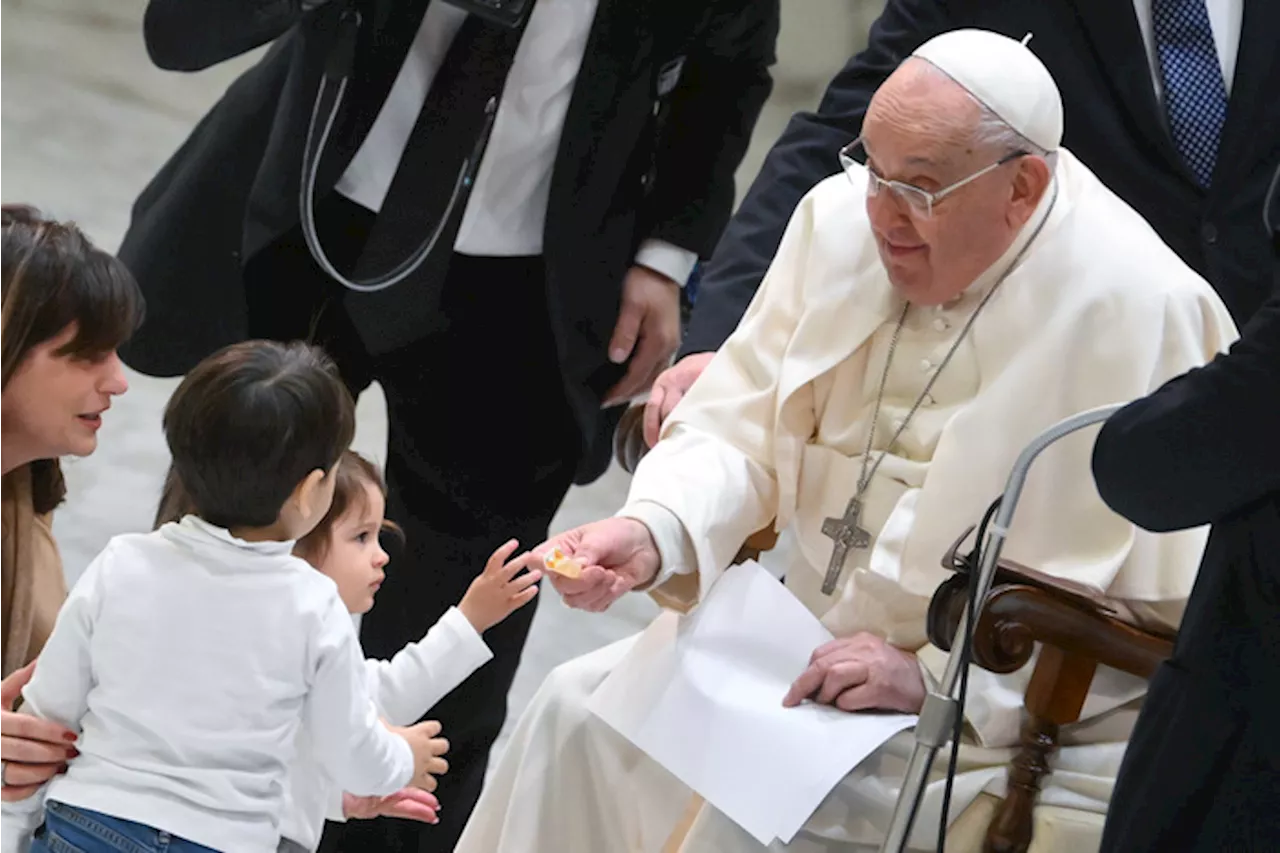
(342, 721)
(336, 813)
(675, 262)
(675, 549)
(58, 691)
(423, 673)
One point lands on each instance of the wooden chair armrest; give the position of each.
(1016, 616)
(1077, 628)
(1026, 607)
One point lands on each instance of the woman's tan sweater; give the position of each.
(33, 584)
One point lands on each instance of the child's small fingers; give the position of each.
(500, 556)
(525, 581)
(520, 599)
(527, 560)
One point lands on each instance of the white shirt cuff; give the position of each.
(675, 550)
(667, 259)
(335, 810)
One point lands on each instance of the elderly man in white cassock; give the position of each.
(926, 316)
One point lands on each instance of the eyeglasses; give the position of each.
(919, 202)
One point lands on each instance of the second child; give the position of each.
(345, 547)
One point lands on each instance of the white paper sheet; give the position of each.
(702, 696)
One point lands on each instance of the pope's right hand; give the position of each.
(617, 555)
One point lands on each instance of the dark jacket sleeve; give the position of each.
(713, 109)
(191, 35)
(804, 155)
(1203, 446)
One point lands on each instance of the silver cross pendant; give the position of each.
(844, 533)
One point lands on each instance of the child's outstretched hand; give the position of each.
(498, 592)
(407, 803)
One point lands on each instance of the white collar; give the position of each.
(193, 527)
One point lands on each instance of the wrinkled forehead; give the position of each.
(920, 118)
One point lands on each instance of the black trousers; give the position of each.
(482, 447)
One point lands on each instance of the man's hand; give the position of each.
(617, 554)
(672, 384)
(649, 324)
(860, 673)
(407, 803)
(34, 750)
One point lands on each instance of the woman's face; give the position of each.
(53, 404)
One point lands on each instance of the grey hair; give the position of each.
(991, 131)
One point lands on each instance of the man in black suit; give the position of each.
(1190, 151)
(491, 218)
(1202, 771)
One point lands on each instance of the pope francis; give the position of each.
(965, 286)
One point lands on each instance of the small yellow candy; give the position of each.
(556, 561)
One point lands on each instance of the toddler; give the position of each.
(345, 547)
(191, 659)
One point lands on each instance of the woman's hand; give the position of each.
(34, 750)
(407, 803)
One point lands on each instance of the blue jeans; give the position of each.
(68, 829)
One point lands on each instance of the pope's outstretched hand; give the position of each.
(616, 556)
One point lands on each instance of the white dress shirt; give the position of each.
(506, 212)
(1224, 19)
(404, 688)
(189, 661)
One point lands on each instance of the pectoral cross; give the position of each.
(844, 533)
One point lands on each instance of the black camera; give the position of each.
(504, 13)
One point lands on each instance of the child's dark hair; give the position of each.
(353, 475)
(249, 423)
(174, 503)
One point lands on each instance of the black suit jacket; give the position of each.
(1202, 771)
(1113, 123)
(631, 165)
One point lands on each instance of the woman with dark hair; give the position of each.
(67, 307)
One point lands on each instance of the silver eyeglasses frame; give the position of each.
(917, 200)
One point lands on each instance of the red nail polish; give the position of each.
(71, 736)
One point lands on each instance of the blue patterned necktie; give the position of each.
(1195, 97)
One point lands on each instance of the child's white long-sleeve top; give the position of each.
(404, 688)
(189, 661)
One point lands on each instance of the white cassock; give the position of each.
(1097, 311)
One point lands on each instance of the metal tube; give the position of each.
(937, 717)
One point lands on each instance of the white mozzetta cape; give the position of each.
(1098, 311)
